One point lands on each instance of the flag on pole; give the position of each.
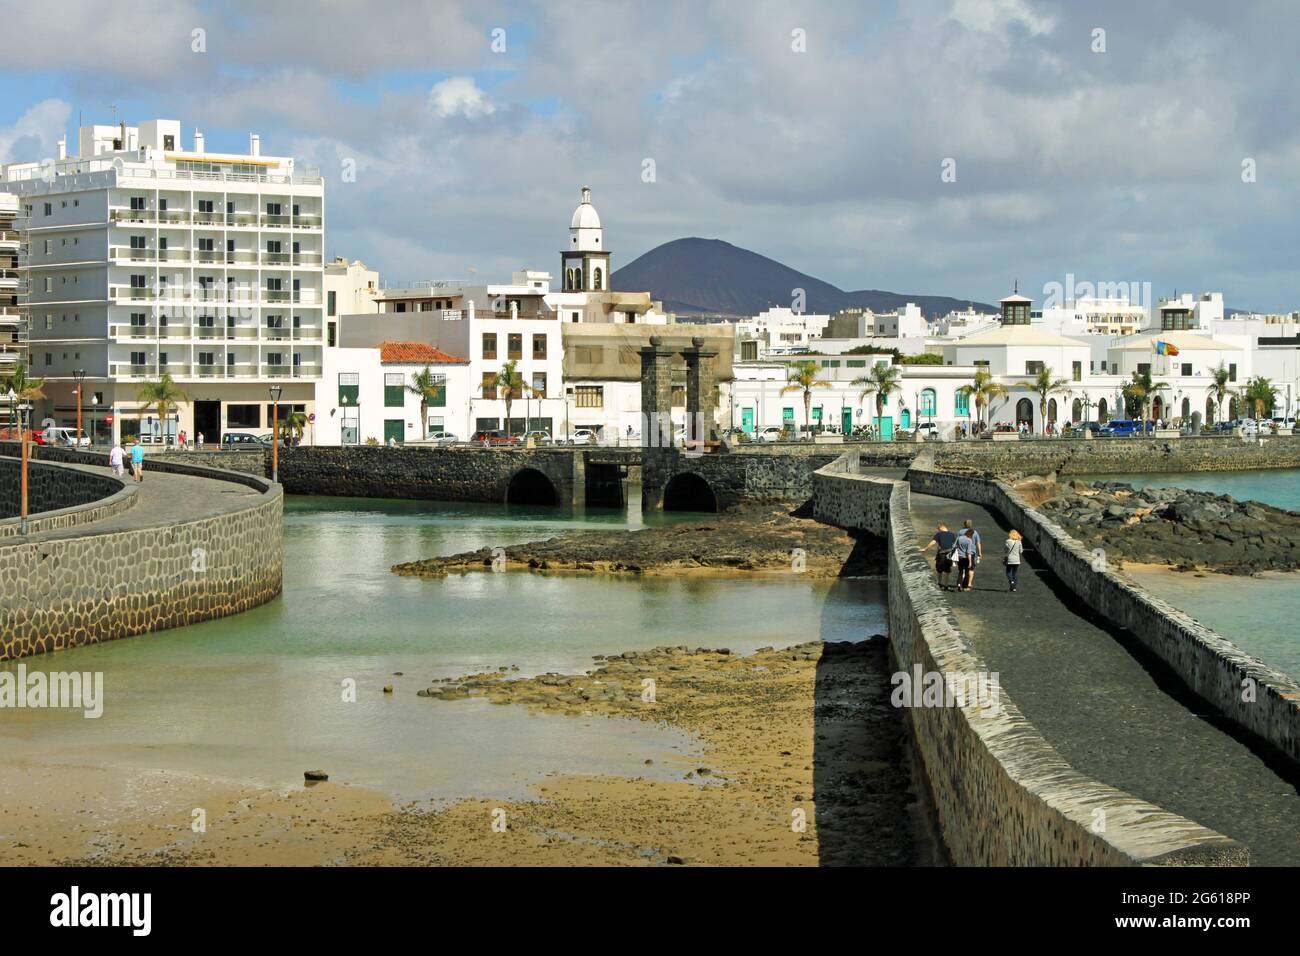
(1166, 348)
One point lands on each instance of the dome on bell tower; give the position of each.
(585, 233)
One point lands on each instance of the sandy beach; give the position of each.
(802, 763)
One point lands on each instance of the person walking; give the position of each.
(969, 526)
(1012, 549)
(946, 541)
(137, 461)
(116, 459)
(965, 558)
(200, 441)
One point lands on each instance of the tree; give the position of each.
(1260, 393)
(296, 422)
(1140, 390)
(880, 381)
(1046, 386)
(424, 385)
(25, 389)
(802, 376)
(983, 389)
(509, 385)
(162, 394)
(1219, 390)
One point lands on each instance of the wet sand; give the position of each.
(803, 763)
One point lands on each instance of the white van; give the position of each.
(68, 437)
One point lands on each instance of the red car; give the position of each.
(495, 436)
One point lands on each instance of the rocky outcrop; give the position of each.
(1186, 529)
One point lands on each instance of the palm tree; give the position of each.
(1219, 390)
(162, 394)
(983, 389)
(25, 389)
(296, 422)
(880, 381)
(509, 385)
(1260, 393)
(802, 376)
(424, 385)
(1045, 385)
(1142, 389)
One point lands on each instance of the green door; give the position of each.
(394, 430)
(846, 421)
(747, 420)
(885, 428)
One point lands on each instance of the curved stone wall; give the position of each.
(58, 497)
(88, 584)
(1212, 666)
(1002, 794)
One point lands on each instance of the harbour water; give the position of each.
(1257, 614)
(258, 697)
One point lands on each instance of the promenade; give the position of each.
(1110, 711)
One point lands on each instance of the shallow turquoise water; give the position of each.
(258, 696)
(1260, 614)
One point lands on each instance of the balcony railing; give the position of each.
(185, 217)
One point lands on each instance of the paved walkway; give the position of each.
(1110, 710)
(164, 499)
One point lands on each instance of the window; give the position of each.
(539, 385)
(928, 402)
(589, 396)
(394, 390)
(438, 399)
(275, 321)
(49, 208)
(137, 358)
(1232, 372)
(137, 282)
(1033, 368)
(207, 358)
(597, 278)
(273, 245)
(273, 209)
(1077, 368)
(243, 416)
(963, 402)
(138, 319)
(207, 245)
(137, 203)
(274, 358)
(49, 358)
(137, 242)
(1187, 368)
(488, 387)
(169, 141)
(332, 303)
(514, 346)
(331, 334)
(489, 345)
(1144, 368)
(349, 387)
(205, 205)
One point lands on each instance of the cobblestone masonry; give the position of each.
(84, 585)
(1212, 666)
(1003, 795)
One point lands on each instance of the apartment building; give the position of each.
(147, 258)
(13, 330)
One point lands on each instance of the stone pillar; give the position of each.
(656, 394)
(701, 394)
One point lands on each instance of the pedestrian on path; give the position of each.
(137, 461)
(979, 552)
(947, 544)
(965, 558)
(1012, 549)
(116, 459)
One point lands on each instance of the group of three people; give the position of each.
(963, 550)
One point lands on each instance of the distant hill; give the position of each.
(709, 276)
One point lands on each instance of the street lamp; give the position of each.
(23, 409)
(275, 432)
(79, 375)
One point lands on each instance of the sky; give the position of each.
(948, 147)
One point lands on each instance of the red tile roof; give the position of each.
(415, 353)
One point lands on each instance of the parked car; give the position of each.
(68, 437)
(1124, 426)
(494, 437)
(443, 438)
(770, 433)
(538, 437)
(245, 440)
(582, 436)
(1078, 428)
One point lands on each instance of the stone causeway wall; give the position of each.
(1213, 667)
(67, 588)
(58, 497)
(246, 462)
(1079, 456)
(1003, 795)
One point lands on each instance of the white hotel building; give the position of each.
(147, 257)
(13, 330)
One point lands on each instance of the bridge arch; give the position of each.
(687, 491)
(529, 486)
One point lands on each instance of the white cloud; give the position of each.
(34, 134)
(459, 96)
